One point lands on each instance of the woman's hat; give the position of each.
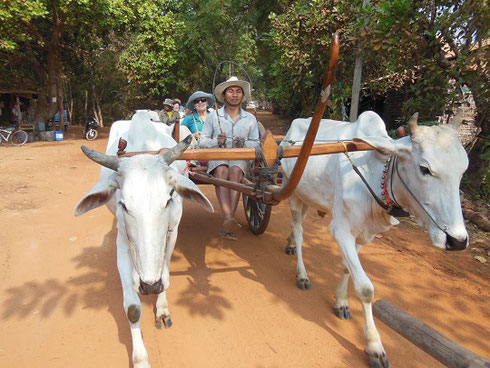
(199, 94)
(168, 102)
(232, 81)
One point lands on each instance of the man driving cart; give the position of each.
(227, 127)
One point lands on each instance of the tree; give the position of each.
(32, 38)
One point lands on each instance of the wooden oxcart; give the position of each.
(259, 187)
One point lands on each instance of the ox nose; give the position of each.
(155, 288)
(455, 244)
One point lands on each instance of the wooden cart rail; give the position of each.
(249, 153)
(268, 194)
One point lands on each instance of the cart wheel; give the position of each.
(257, 213)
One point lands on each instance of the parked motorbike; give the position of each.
(90, 130)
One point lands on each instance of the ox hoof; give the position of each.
(290, 250)
(304, 284)
(134, 313)
(342, 312)
(377, 360)
(142, 365)
(167, 322)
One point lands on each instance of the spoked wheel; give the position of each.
(257, 213)
(19, 137)
(91, 134)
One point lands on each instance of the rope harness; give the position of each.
(267, 174)
(389, 205)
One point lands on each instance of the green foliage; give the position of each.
(405, 45)
(151, 51)
(300, 38)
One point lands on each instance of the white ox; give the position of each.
(430, 165)
(145, 194)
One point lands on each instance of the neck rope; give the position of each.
(390, 205)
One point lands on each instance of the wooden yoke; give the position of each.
(304, 154)
(269, 148)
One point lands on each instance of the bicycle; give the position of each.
(16, 136)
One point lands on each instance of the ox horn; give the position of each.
(174, 153)
(412, 123)
(110, 162)
(457, 120)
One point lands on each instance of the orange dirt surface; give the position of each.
(233, 304)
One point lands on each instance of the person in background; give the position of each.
(168, 115)
(230, 126)
(198, 104)
(178, 108)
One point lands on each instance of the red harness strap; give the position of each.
(189, 163)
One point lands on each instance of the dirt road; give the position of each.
(233, 304)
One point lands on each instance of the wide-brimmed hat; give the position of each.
(168, 102)
(232, 81)
(199, 94)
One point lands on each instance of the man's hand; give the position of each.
(239, 142)
(221, 139)
(196, 135)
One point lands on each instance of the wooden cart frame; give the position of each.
(259, 187)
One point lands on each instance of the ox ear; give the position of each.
(387, 145)
(99, 195)
(188, 190)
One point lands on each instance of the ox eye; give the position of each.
(425, 170)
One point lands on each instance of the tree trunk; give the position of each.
(97, 108)
(356, 85)
(356, 82)
(85, 118)
(52, 85)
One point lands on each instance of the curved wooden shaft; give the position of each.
(177, 131)
(304, 154)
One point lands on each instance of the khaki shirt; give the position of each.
(245, 127)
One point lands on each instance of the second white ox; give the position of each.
(421, 173)
(145, 194)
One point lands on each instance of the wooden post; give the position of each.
(425, 337)
(356, 80)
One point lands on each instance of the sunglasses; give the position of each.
(197, 100)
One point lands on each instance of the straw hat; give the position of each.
(199, 94)
(232, 81)
(168, 102)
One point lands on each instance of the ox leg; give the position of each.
(132, 304)
(291, 246)
(162, 310)
(298, 211)
(375, 351)
(341, 306)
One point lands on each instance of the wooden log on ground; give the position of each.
(425, 337)
(478, 218)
